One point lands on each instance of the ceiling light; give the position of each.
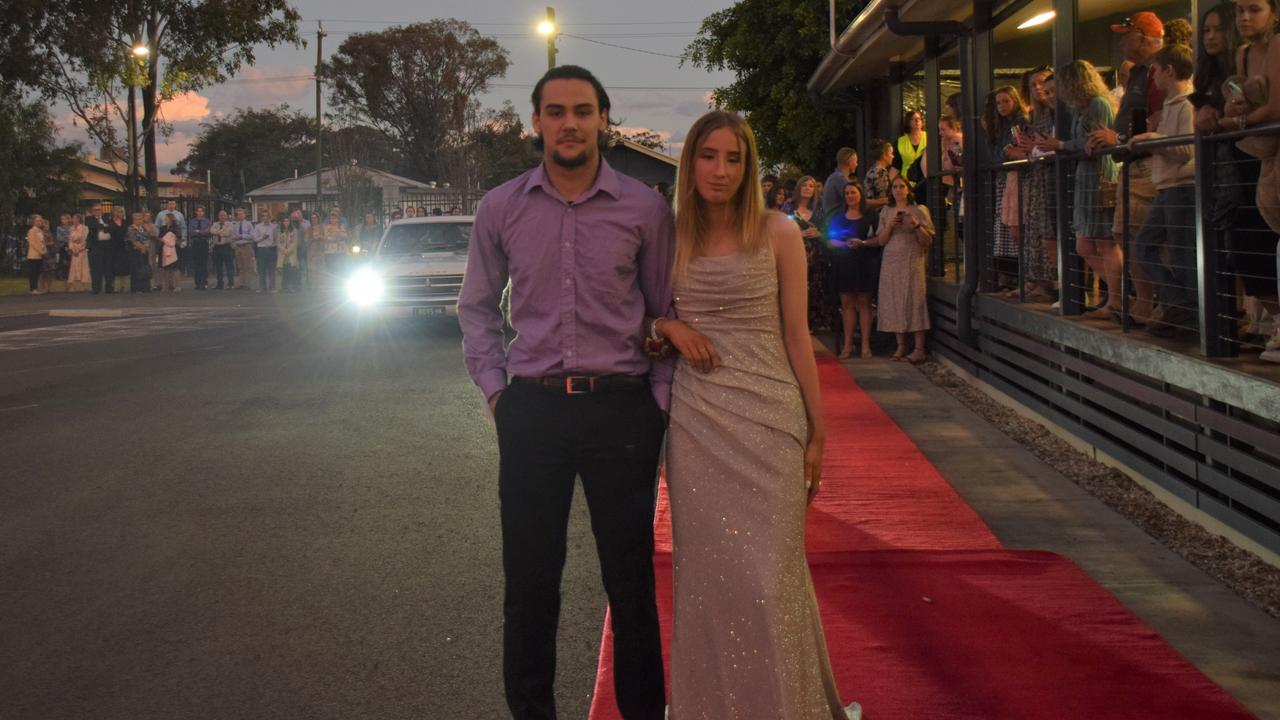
(1040, 19)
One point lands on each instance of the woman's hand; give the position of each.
(810, 232)
(691, 344)
(813, 466)
(1207, 119)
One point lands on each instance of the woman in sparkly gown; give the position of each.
(744, 449)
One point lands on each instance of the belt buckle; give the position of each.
(572, 386)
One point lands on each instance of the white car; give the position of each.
(418, 264)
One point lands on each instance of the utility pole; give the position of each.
(319, 120)
(551, 30)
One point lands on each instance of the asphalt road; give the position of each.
(252, 506)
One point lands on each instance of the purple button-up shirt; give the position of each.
(584, 275)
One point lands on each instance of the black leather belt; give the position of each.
(583, 384)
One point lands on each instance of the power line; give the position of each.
(621, 47)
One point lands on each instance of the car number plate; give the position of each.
(437, 311)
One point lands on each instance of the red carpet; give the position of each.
(1002, 635)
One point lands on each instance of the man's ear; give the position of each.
(535, 121)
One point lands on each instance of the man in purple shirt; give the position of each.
(588, 254)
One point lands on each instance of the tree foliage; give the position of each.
(641, 136)
(250, 149)
(255, 147)
(79, 52)
(418, 83)
(37, 174)
(774, 46)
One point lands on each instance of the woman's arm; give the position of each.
(924, 226)
(793, 287)
(1270, 110)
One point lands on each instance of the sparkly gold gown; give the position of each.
(748, 640)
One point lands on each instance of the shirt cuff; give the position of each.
(661, 393)
(492, 382)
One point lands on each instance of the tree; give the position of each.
(250, 149)
(36, 173)
(774, 46)
(642, 137)
(496, 149)
(83, 54)
(417, 83)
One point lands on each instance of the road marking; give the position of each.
(19, 407)
(125, 328)
(123, 358)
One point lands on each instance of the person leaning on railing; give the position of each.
(1258, 67)
(1169, 231)
(1082, 89)
(1003, 119)
(1039, 233)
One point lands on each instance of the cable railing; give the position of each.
(1174, 265)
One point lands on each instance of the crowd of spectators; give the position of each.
(102, 252)
(1162, 89)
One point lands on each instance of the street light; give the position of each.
(548, 29)
(140, 52)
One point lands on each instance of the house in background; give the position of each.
(648, 166)
(382, 192)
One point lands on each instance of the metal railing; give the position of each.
(1186, 262)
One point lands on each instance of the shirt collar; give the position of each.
(1176, 98)
(606, 181)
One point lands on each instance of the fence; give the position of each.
(1201, 425)
(1181, 263)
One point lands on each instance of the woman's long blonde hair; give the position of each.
(692, 224)
(1079, 83)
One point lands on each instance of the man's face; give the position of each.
(853, 163)
(199, 213)
(296, 216)
(222, 216)
(1136, 47)
(171, 205)
(766, 186)
(239, 215)
(570, 122)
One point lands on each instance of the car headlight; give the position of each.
(364, 288)
(355, 249)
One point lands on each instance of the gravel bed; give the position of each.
(1242, 571)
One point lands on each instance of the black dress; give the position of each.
(824, 313)
(857, 270)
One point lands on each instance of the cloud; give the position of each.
(256, 86)
(185, 107)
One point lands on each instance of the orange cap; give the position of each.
(1144, 22)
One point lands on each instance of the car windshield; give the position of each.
(415, 238)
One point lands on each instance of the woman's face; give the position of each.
(886, 158)
(1211, 34)
(899, 191)
(1049, 93)
(852, 196)
(718, 166)
(1254, 18)
(806, 189)
(1004, 104)
(915, 121)
(1037, 85)
(779, 196)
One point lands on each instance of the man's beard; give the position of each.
(570, 161)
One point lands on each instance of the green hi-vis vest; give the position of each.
(909, 154)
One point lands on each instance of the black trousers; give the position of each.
(200, 262)
(611, 439)
(102, 265)
(224, 260)
(33, 272)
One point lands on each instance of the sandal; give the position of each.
(915, 359)
(897, 356)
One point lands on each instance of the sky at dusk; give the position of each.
(648, 89)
